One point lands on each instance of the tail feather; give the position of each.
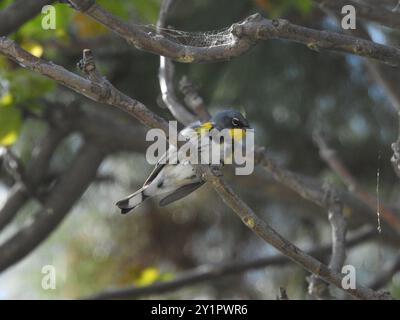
(132, 201)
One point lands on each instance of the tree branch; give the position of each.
(269, 235)
(193, 99)
(244, 35)
(166, 76)
(102, 92)
(364, 11)
(146, 116)
(208, 273)
(312, 190)
(245, 213)
(58, 203)
(16, 198)
(317, 287)
(35, 172)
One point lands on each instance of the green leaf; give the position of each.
(33, 28)
(148, 9)
(278, 8)
(25, 85)
(10, 124)
(304, 6)
(147, 276)
(5, 3)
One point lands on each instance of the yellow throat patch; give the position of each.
(237, 134)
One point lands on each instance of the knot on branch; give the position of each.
(249, 222)
(383, 295)
(313, 46)
(282, 294)
(275, 23)
(279, 23)
(12, 164)
(248, 27)
(189, 90)
(192, 98)
(237, 30)
(6, 43)
(317, 288)
(358, 48)
(88, 66)
(100, 85)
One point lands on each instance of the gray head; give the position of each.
(229, 119)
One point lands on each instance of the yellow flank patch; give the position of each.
(204, 128)
(207, 125)
(237, 134)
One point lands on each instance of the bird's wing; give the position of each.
(189, 132)
(160, 165)
(180, 193)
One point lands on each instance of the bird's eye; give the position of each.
(235, 122)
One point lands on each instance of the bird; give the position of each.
(177, 180)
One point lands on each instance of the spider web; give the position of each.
(194, 39)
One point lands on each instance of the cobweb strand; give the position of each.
(194, 39)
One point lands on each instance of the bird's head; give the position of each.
(229, 119)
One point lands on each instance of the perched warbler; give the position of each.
(176, 180)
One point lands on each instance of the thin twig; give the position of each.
(330, 157)
(166, 77)
(193, 99)
(317, 287)
(32, 177)
(60, 200)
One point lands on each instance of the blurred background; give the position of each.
(287, 92)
